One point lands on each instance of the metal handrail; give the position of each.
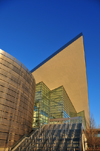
(17, 144)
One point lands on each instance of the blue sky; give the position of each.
(31, 30)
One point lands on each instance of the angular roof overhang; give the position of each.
(67, 67)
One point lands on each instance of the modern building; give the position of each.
(53, 104)
(17, 91)
(61, 100)
(64, 76)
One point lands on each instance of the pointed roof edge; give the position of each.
(56, 52)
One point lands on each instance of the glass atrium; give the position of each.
(52, 104)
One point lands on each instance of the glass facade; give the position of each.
(82, 114)
(60, 104)
(52, 104)
(42, 105)
(17, 92)
(56, 103)
(68, 106)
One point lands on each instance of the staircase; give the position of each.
(53, 137)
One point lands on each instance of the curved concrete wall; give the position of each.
(17, 91)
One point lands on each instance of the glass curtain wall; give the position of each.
(60, 104)
(67, 105)
(82, 114)
(42, 105)
(56, 103)
(52, 104)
